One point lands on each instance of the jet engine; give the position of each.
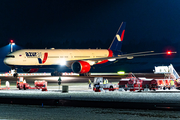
(32, 70)
(80, 67)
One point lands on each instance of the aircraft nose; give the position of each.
(9, 60)
(6, 61)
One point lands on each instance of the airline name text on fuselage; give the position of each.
(33, 54)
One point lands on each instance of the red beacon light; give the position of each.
(169, 52)
(11, 41)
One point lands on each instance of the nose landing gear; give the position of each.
(14, 72)
(15, 75)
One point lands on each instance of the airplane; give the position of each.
(79, 60)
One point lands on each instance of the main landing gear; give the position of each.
(56, 73)
(85, 74)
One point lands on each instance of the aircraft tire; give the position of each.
(15, 75)
(24, 87)
(19, 87)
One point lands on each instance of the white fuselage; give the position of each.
(29, 57)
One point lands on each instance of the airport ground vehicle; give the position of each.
(21, 84)
(7, 86)
(171, 77)
(132, 83)
(151, 84)
(100, 83)
(168, 83)
(177, 84)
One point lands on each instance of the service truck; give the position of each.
(100, 83)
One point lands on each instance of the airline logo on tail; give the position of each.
(122, 36)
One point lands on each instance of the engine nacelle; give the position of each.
(80, 67)
(32, 70)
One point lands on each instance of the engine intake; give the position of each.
(80, 67)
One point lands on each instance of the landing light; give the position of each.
(111, 59)
(62, 62)
(130, 57)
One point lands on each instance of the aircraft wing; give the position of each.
(124, 56)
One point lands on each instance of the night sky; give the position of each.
(85, 20)
(150, 24)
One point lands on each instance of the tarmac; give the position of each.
(88, 98)
(79, 95)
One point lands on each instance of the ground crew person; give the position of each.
(105, 81)
(89, 84)
(172, 83)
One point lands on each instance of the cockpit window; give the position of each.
(10, 56)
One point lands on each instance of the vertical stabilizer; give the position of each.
(117, 41)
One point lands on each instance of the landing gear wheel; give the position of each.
(56, 73)
(19, 87)
(164, 88)
(15, 75)
(24, 87)
(85, 74)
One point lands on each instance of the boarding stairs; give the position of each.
(168, 71)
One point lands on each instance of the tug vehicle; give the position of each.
(21, 84)
(137, 85)
(151, 84)
(130, 83)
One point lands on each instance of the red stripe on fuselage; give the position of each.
(110, 55)
(45, 57)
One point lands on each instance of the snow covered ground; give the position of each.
(81, 92)
(34, 112)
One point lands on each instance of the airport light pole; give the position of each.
(12, 43)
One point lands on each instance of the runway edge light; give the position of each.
(121, 72)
